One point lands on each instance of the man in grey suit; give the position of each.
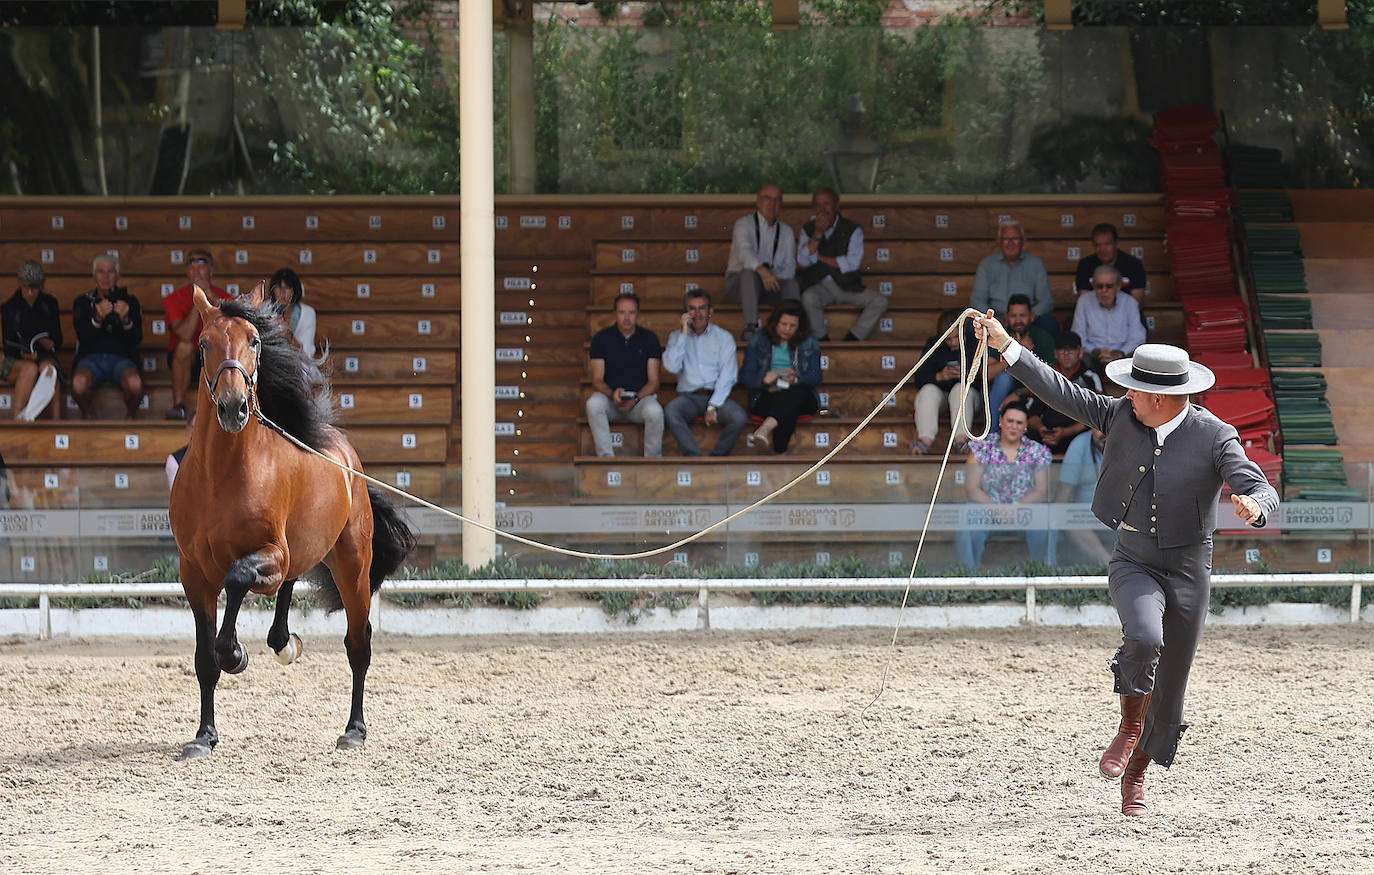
(1163, 467)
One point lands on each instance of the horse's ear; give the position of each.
(255, 297)
(203, 305)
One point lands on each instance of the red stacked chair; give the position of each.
(1197, 215)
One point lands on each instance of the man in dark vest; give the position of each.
(830, 252)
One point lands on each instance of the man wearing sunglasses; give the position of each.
(1108, 320)
(183, 327)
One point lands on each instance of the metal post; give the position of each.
(1356, 593)
(44, 617)
(478, 246)
(704, 607)
(1030, 604)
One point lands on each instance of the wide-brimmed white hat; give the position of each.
(1162, 369)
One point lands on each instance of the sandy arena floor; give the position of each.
(691, 753)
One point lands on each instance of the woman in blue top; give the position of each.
(782, 368)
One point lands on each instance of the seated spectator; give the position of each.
(703, 357)
(782, 368)
(1106, 252)
(286, 291)
(31, 321)
(109, 328)
(1108, 320)
(939, 381)
(1077, 481)
(1030, 335)
(1012, 271)
(183, 324)
(174, 458)
(1006, 468)
(1052, 428)
(624, 363)
(830, 253)
(763, 259)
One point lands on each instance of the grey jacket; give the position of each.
(1201, 454)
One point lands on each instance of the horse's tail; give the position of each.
(392, 537)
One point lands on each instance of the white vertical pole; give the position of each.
(1030, 605)
(478, 246)
(44, 617)
(1356, 591)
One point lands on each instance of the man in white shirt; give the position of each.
(1108, 320)
(763, 259)
(703, 357)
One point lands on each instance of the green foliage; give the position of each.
(348, 104)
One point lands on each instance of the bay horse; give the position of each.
(251, 512)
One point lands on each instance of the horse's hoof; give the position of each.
(350, 740)
(195, 750)
(238, 667)
(291, 650)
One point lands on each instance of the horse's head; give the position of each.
(229, 350)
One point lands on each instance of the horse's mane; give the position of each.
(292, 391)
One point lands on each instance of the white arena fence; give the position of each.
(703, 587)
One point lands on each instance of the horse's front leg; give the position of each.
(265, 569)
(202, 598)
(285, 643)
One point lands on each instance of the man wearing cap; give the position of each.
(32, 325)
(1163, 467)
(183, 326)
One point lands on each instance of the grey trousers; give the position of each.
(601, 412)
(816, 298)
(1161, 597)
(684, 408)
(747, 287)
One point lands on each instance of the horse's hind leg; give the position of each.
(351, 576)
(262, 569)
(285, 643)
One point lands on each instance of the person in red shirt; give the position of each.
(183, 321)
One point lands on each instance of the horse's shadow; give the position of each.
(89, 752)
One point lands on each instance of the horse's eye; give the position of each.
(255, 342)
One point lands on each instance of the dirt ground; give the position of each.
(686, 753)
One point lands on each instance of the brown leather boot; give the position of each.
(1133, 785)
(1114, 758)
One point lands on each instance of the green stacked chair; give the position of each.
(1293, 349)
(1264, 206)
(1312, 469)
(1285, 311)
(1306, 421)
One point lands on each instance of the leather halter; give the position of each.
(234, 365)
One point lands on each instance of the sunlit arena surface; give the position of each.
(702, 752)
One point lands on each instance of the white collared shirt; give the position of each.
(1162, 432)
(755, 242)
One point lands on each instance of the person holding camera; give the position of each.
(782, 368)
(109, 328)
(32, 325)
(763, 259)
(624, 362)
